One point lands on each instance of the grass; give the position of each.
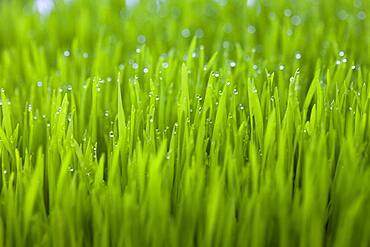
(185, 123)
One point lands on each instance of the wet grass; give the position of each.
(184, 123)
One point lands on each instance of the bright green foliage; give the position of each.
(185, 123)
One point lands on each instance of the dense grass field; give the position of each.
(185, 123)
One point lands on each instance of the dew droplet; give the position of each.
(69, 118)
(44, 7)
(361, 15)
(251, 3)
(232, 64)
(29, 107)
(199, 33)
(133, 80)
(226, 44)
(141, 39)
(39, 83)
(111, 134)
(95, 151)
(342, 15)
(341, 53)
(287, 12)
(296, 20)
(59, 110)
(185, 33)
(66, 53)
(235, 92)
(165, 65)
(281, 67)
(251, 29)
(298, 56)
